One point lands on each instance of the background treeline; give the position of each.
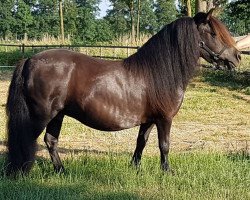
(32, 19)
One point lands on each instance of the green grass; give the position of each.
(239, 81)
(89, 176)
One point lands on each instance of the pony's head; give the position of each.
(216, 44)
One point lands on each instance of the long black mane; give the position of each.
(167, 61)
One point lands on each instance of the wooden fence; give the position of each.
(98, 49)
(24, 47)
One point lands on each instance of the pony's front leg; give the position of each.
(141, 142)
(163, 128)
(51, 141)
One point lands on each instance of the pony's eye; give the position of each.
(213, 35)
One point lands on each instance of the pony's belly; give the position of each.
(107, 121)
(106, 116)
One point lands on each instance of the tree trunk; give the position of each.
(189, 10)
(132, 20)
(200, 6)
(210, 5)
(61, 20)
(138, 21)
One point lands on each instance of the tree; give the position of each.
(165, 11)
(6, 18)
(85, 20)
(103, 31)
(186, 8)
(70, 16)
(138, 20)
(23, 19)
(119, 18)
(200, 6)
(206, 5)
(148, 19)
(45, 18)
(237, 17)
(131, 8)
(189, 9)
(125, 13)
(61, 20)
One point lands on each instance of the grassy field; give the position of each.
(210, 149)
(197, 176)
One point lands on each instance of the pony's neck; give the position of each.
(167, 61)
(171, 54)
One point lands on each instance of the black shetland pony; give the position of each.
(145, 89)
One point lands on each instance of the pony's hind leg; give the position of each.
(141, 142)
(51, 141)
(22, 148)
(23, 128)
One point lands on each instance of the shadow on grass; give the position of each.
(230, 80)
(242, 155)
(69, 151)
(75, 151)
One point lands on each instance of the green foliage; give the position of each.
(6, 18)
(36, 18)
(183, 8)
(118, 18)
(46, 19)
(103, 31)
(12, 57)
(153, 15)
(148, 18)
(165, 12)
(23, 19)
(85, 20)
(70, 16)
(237, 17)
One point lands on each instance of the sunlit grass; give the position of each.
(87, 176)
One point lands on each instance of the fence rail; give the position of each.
(22, 47)
(100, 48)
(114, 52)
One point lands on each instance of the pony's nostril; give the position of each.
(238, 56)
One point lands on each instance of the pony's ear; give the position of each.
(209, 14)
(203, 17)
(200, 18)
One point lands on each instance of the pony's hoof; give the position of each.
(170, 172)
(167, 170)
(135, 164)
(59, 170)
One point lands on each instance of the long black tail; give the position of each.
(21, 142)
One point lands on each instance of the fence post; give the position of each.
(100, 52)
(23, 49)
